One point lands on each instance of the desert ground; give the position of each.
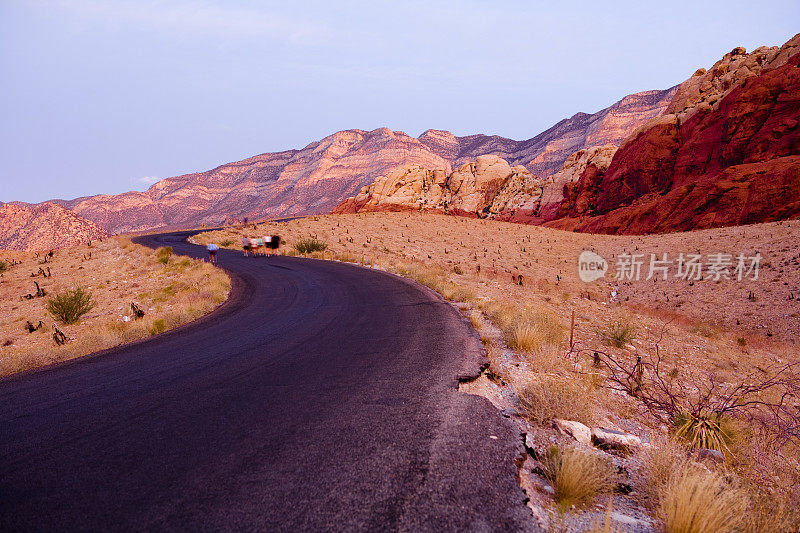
(170, 290)
(565, 350)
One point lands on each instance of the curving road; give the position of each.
(321, 396)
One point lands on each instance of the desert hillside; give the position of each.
(169, 291)
(44, 226)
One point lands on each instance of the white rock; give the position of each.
(576, 430)
(615, 439)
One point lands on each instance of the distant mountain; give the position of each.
(318, 177)
(726, 152)
(44, 226)
(546, 153)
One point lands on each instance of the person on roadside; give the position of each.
(246, 246)
(212, 252)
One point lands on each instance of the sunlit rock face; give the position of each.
(727, 153)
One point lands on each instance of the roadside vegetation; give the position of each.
(72, 302)
(707, 410)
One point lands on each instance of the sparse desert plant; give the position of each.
(3, 266)
(607, 525)
(662, 459)
(703, 431)
(547, 397)
(159, 326)
(163, 254)
(578, 475)
(741, 341)
(618, 333)
(532, 330)
(696, 500)
(226, 242)
(309, 245)
(70, 305)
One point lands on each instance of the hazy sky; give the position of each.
(104, 96)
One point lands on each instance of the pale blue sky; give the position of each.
(103, 97)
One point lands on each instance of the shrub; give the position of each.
(159, 326)
(618, 333)
(578, 475)
(532, 330)
(696, 500)
(163, 254)
(306, 246)
(548, 397)
(3, 266)
(69, 306)
(709, 432)
(226, 242)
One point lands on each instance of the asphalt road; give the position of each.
(321, 396)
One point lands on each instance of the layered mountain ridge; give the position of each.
(726, 152)
(316, 178)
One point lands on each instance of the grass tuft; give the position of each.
(163, 254)
(618, 333)
(696, 501)
(548, 397)
(578, 476)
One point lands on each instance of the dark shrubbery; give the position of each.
(306, 246)
(69, 306)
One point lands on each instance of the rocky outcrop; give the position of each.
(539, 209)
(487, 187)
(43, 227)
(727, 154)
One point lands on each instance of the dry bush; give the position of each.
(533, 330)
(696, 500)
(528, 330)
(578, 475)
(662, 460)
(163, 254)
(547, 397)
(771, 513)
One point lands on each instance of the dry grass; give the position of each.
(172, 290)
(661, 460)
(578, 475)
(696, 500)
(545, 397)
(530, 330)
